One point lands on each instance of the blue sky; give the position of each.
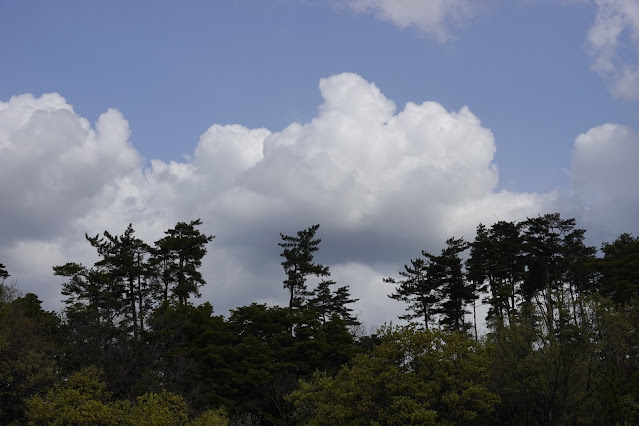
(536, 73)
(173, 69)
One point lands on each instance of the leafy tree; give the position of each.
(617, 350)
(27, 351)
(268, 360)
(418, 289)
(190, 354)
(162, 408)
(586, 374)
(412, 377)
(264, 361)
(298, 252)
(178, 256)
(84, 400)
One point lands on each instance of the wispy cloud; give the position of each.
(613, 42)
(437, 18)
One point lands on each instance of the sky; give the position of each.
(394, 124)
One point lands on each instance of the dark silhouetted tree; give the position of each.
(298, 253)
(3, 273)
(620, 269)
(455, 291)
(418, 289)
(178, 257)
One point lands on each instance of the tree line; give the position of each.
(131, 345)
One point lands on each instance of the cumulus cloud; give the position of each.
(605, 177)
(53, 163)
(383, 184)
(433, 17)
(613, 42)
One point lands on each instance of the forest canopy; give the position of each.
(132, 342)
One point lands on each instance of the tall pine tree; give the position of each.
(178, 257)
(418, 289)
(298, 252)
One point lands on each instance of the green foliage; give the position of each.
(455, 291)
(562, 346)
(496, 266)
(191, 350)
(585, 373)
(412, 377)
(618, 354)
(298, 253)
(329, 305)
(159, 409)
(179, 256)
(418, 289)
(125, 262)
(27, 351)
(211, 418)
(84, 400)
(620, 269)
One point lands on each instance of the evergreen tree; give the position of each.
(125, 260)
(27, 351)
(418, 289)
(178, 257)
(3, 273)
(93, 308)
(329, 305)
(620, 269)
(542, 247)
(456, 293)
(298, 252)
(496, 264)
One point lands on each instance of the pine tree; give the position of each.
(496, 264)
(178, 256)
(125, 259)
(418, 289)
(620, 269)
(298, 253)
(542, 247)
(3, 273)
(455, 291)
(329, 305)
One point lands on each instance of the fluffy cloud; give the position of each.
(434, 17)
(383, 184)
(605, 177)
(617, 26)
(52, 164)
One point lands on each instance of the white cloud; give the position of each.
(383, 185)
(614, 43)
(433, 17)
(52, 163)
(605, 176)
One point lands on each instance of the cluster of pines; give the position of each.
(560, 342)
